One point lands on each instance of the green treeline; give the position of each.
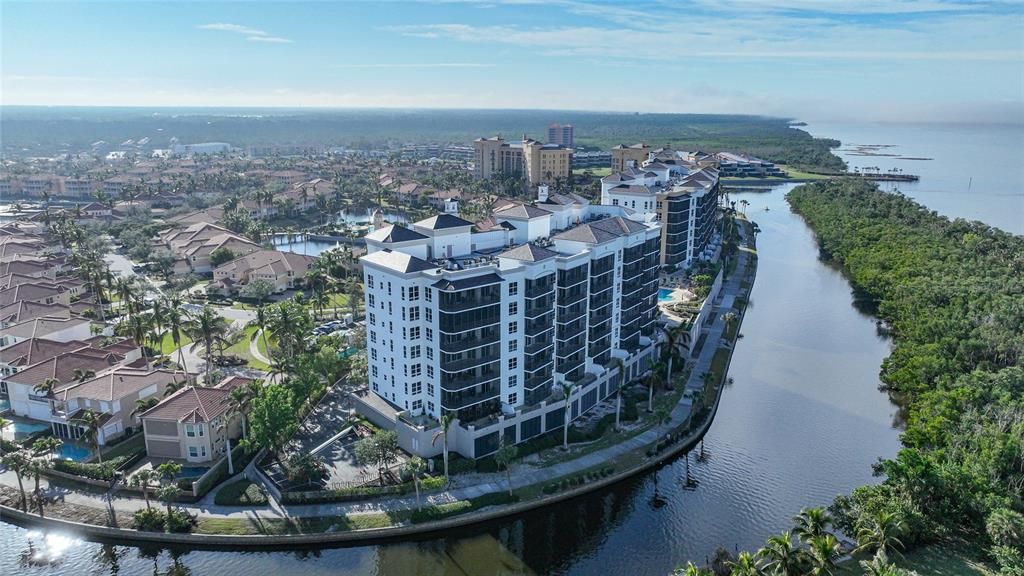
(952, 293)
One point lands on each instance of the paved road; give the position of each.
(522, 474)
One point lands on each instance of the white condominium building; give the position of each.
(683, 196)
(488, 321)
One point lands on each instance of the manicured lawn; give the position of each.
(941, 559)
(241, 348)
(167, 343)
(244, 526)
(599, 172)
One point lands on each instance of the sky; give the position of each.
(816, 60)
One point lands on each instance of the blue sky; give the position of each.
(818, 60)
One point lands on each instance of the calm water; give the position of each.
(802, 422)
(975, 171)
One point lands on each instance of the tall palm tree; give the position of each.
(823, 552)
(142, 479)
(206, 327)
(174, 320)
(880, 532)
(90, 421)
(262, 322)
(18, 462)
(141, 405)
(45, 388)
(652, 382)
(239, 401)
(730, 319)
(780, 556)
(446, 421)
(811, 523)
(745, 564)
(567, 390)
(677, 339)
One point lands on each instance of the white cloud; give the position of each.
(251, 34)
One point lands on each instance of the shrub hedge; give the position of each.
(442, 511)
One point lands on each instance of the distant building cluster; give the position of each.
(744, 166)
(535, 161)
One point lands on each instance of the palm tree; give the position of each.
(879, 565)
(708, 378)
(91, 422)
(143, 404)
(205, 328)
(45, 388)
(37, 467)
(18, 462)
(168, 493)
(262, 322)
(661, 416)
(811, 523)
(652, 382)
(239, 400)
(880, 532)
(142, 479)
(414, 467)
(173, 386)
(446, 420)
(503, 458)
(175, 323)
(619, 365)
(745, 564)
(780, 556)
(730, 319)
(824, 550)
(567, 389)
(676, 340)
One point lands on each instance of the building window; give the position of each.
(414, 371)
(417, 405)
(389, 288)
(513, 308)
(430, 331)
(414, 314)
(513, 381)
(417, 388)
(373, 370)
(430, 371)
(414, 293)
(194, 430)
(373, 319)
(414, 333)
(371, 300)
(513, 327)
(513, 288)
(513, 363)
(430, 353)
(428, 295)
(615, 201)
(430, 389)
(513, 398)
(373, 337)
(414, 352)
(373, 354)
(430, 406)
(430, 315)
(513, 345)
(369, 280)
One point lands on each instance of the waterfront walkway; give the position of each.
(522, 474)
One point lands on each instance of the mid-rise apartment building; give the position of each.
(488, 324)
(539, 163)
(682, 195)
(625, 156)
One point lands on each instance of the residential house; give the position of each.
(192, 246)
(194, 423)
(283, 270)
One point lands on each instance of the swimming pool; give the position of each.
(665, 294)
(5, 405)
(22, 429)
(73, 452)
(193, 471)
